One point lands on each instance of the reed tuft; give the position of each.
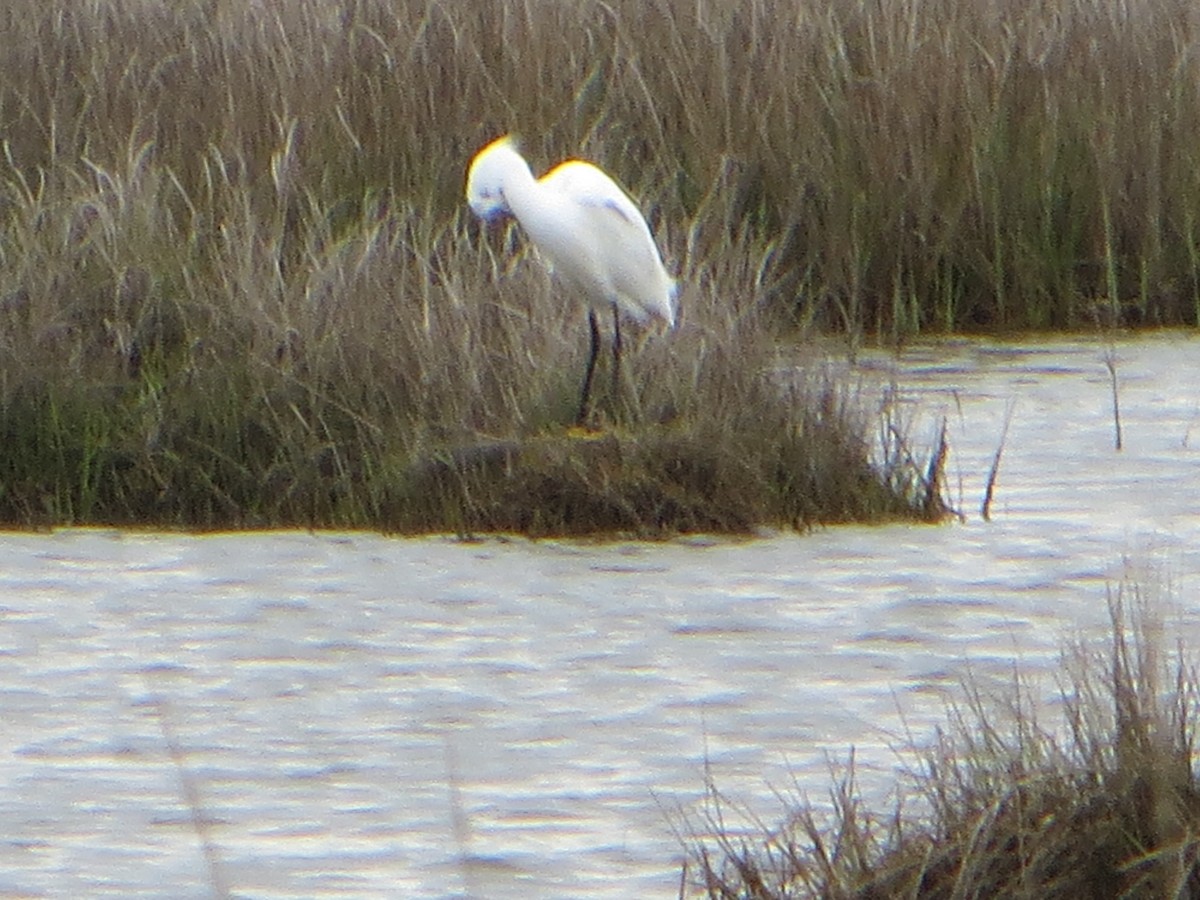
(1104, 803)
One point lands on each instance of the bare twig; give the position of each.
(985, 509)
(191, 796)
(1110, 362)
(458, 819)
(935, 505)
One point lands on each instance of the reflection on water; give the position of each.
(365, 716)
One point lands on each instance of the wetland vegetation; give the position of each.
(1094, 796)
(238, 285)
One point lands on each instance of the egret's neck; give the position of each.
(522, 193)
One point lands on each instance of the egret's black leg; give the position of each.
(581, 419)
(616, 372)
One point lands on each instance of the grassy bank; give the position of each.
(238, 286)
(1103, 802)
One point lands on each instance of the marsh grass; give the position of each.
(1102, 803)
(238, 286)
(913, 165)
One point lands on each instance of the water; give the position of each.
(364, 716)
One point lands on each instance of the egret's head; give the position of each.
(492, 168)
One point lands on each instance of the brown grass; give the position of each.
(913, 164)
(238, 285)
(233, 250)
(1103, 803)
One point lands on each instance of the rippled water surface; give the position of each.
(356, 715)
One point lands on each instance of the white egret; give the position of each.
(592, 236)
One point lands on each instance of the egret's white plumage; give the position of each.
(586, 228)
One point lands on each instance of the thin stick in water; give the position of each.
(191, 796)
(458, 820)
(985, 509)
(1110, 361)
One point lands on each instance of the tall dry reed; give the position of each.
(917, 164)
(259, 204)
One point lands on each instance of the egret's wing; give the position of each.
(622, 254)
(589, 186)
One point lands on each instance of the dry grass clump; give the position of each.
(1106, 804)
(913, 164)
(238, 285)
